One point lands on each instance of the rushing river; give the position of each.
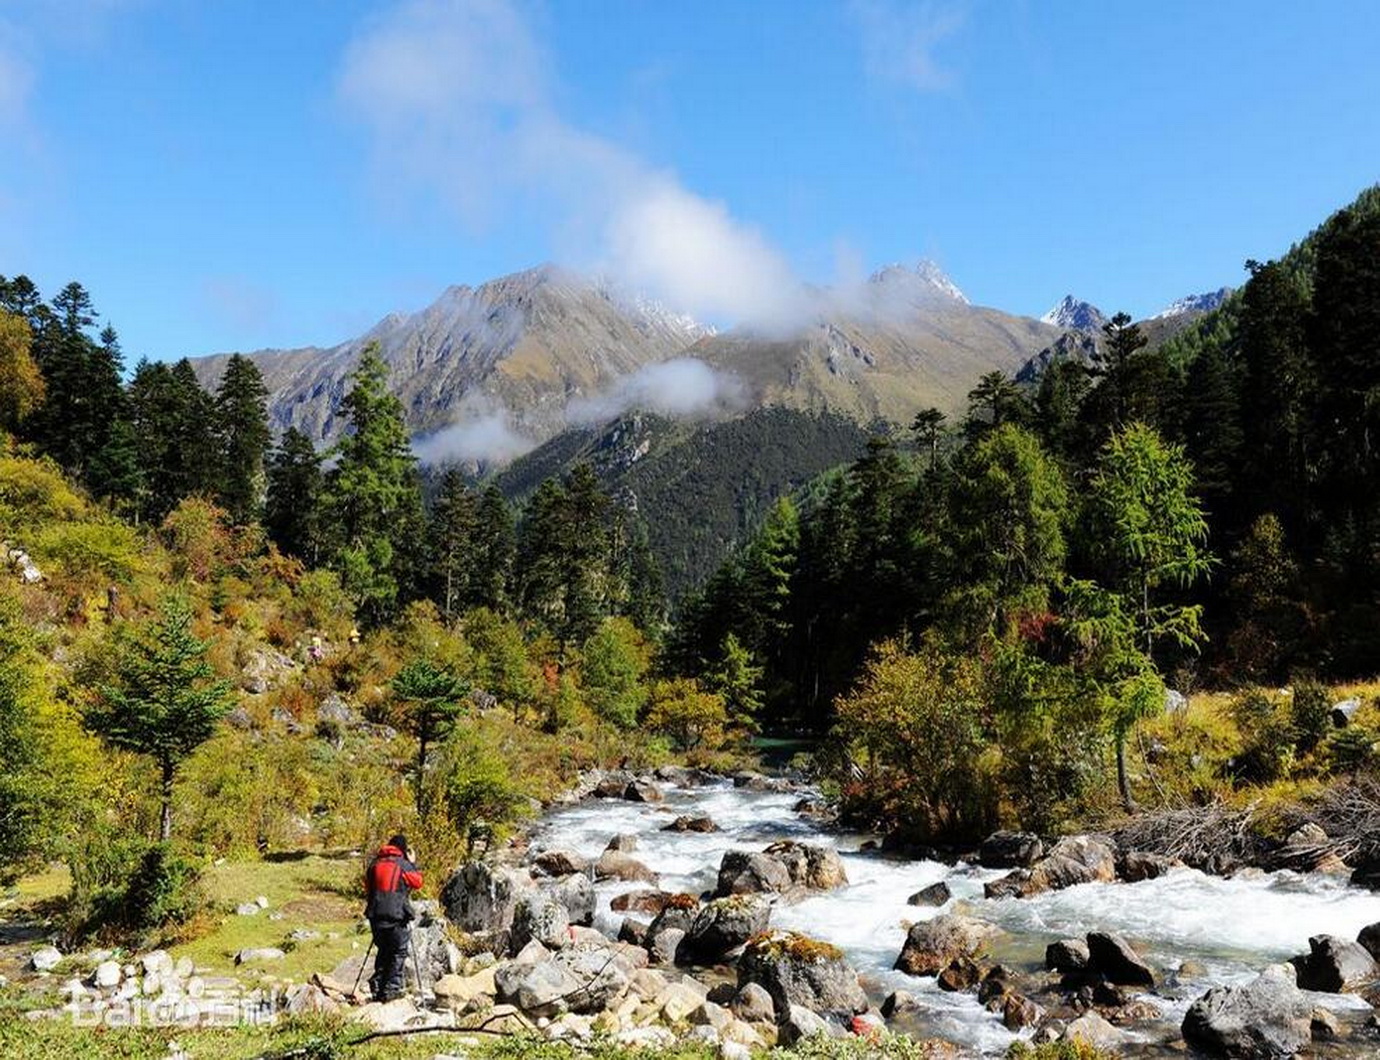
(1230, 928)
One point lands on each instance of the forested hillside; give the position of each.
(1199, 514)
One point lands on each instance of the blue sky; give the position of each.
(232, 175)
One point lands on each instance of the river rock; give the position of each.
(751, 872)
(633, 932)
(643, 791)
(815, 868)
(1266, 1018)
(1133, 866)
(1018, 1012)
(611, 786)
(935, 895)
(664, 946)
(310, 1000)
(1067, 955)
(722, 926)
(1112, 957)
(1334, 965)
(45, 958)
(753, 1004)
(1091, 1029)
(1071, 861)
(1323, 1026)
(691, 823)
(616, 865)
(676, 915)
(1010, 850)
(625, 842)
(959, 974)
(797, 970)
(575, 893)
(457, 991)
(644, 901)
(798, 1023)
(580, 979)
(1370, 939)
(481, 897)
(900, 1002)
(538, 916)
(932, 944)
(559, 863)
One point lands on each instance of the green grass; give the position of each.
(316, 892)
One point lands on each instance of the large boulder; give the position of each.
(640, 790)
(559, 863)
(1071, 861)
(669, 926)
(645, 901)
(935, 895)
(751, 872)
(538, 916)
(691, 823)
(481, 897)
(798, 1023)
(582, 979)
(721, 927)
(753, 1004)
(781, 868)
(1092, 1029)
(1133, 866)
(1113, 957)
(1010, 850)
(797, 970)
(575, 893)
(1370, 939)
(617, 865)
(1067, 955)
(1334, 965)
(45, 959)
(932, 945)
(1266, 1018)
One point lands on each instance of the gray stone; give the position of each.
(1135, 866)
(1091, 1029)
(643, 791)
(1266, 1018)
(1342, 712)
(616, 865)
(751, 872)
(1067, 955)
(626, 842)
(932, 944)
(1071, 861)
(482, 897)
(799, 1023)
(1334, 965)
(797, 970)
(559, 863)
(780, 868)
(664, 945)
(1112, 957)
(691, 823)
(935, 895)
(1018, 1012)
(1010, 850)
(259, 955)
(538, 916)
(900, 1002)
(721, 927)
(575, 894)
(1370, 939)
(45, 959)
(752, 1004)
(1323, 1026)
(107, 975)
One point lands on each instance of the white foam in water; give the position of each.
(1232, 927)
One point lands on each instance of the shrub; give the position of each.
(1311, 714)
(1353, 749)
(162, 894)
(1268, 746)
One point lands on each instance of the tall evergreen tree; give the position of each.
(244, 437)
(373, 496)
(295, 496)
(455, 546)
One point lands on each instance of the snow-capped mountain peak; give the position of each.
(1194, 303)
(1074, 314)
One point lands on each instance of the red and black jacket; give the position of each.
(387, 881)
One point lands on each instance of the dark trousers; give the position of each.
(390, 959)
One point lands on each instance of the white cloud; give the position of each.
(484, 439)
(899, 41)
(459, 101)
(684, 388)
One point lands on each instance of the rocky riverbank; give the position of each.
(650, 909)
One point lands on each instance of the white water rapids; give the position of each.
(1231, 927)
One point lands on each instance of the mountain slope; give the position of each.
(522, 346)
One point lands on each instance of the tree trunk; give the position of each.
(165, 817)
(1122, 783)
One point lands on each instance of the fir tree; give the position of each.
(295, 486)
(244, 437)
(165, 703)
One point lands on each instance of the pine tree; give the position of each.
(994, 401)
(244, 437)
(497, 546)
(433, 699)
(928, 426)
(455, 546)
(373, 497)
(295, 486)
(165, 703)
